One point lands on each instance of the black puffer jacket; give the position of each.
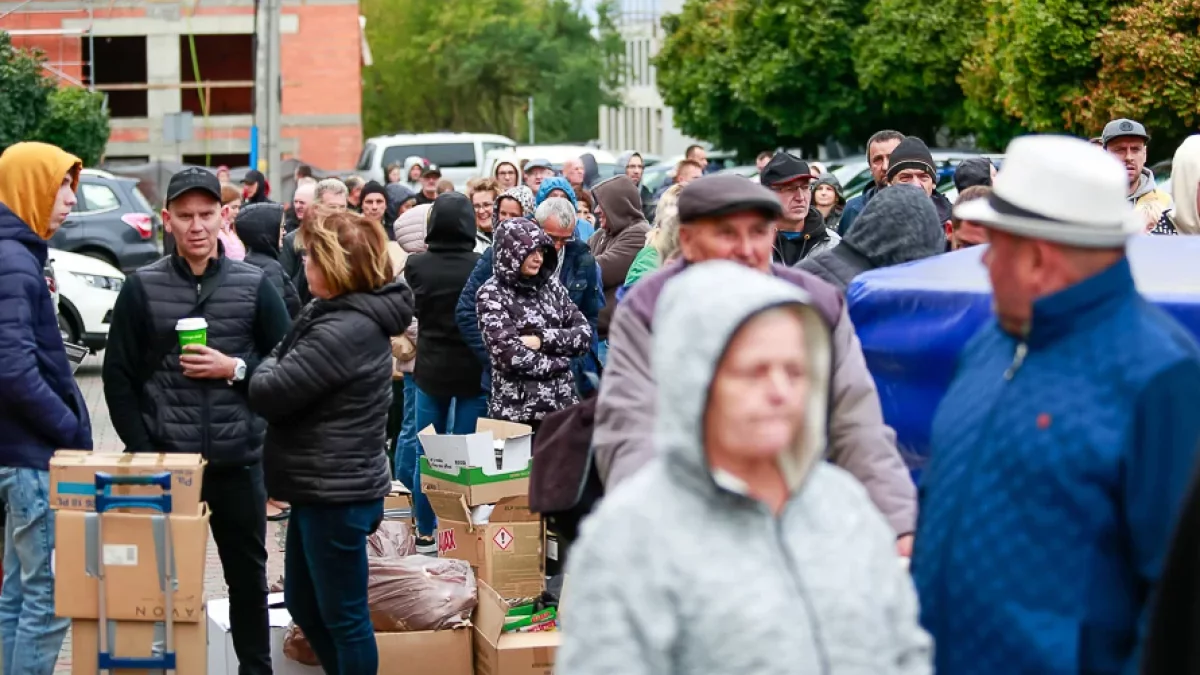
(446, 367)
(325, 393)
(258, 226)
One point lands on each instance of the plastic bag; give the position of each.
(296, 647)
(393, 539)
(419, 593)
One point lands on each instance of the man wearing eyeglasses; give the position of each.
(800, 231)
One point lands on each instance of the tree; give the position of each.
(1149, 70)
(908, 57)
(26, 93)
(1030, 66)
(471, 65)
(77, 122)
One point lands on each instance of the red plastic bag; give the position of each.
(417, 592)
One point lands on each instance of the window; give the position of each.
(445, 155)
(364, 162)
(97, 197)
(488, 147)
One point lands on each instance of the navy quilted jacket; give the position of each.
(41, 408)
(1057, 468)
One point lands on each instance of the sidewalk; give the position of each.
(105, 439)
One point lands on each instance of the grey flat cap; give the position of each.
(723, 194)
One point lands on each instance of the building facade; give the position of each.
(643, 122)
(153, 58)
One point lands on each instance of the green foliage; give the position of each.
(32, 108)
(25, 93)
(1149, 70)
(471, 65)
(76, 122)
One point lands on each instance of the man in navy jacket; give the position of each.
(41, 408)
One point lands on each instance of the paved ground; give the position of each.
(105, 439)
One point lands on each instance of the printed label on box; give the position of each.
(503, 538)
(120, 554)
(446, 541)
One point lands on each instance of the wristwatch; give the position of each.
(239, 371)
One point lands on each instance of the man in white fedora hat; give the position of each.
(1062, 450)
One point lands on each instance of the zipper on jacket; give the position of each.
(1017, 362)
(793, 572)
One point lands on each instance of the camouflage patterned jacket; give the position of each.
(528, 384)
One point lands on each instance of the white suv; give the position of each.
(460, 156)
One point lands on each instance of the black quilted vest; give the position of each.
(182, 414)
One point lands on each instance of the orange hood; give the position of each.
(30, 175)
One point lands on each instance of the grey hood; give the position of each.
(1146, 185)
(900, 224)
(679, 571)
(690, 340)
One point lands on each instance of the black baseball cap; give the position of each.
(722, 194)
(784, 168)
(431, 170)
(193, 178)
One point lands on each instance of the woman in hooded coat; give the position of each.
(255, 188)
(765, 558)
(828, 200)
(260, 227)
(531, 329)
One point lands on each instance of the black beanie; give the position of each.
(372, 187)
(972, 172)
(912, 153)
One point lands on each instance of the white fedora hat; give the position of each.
(1058, 189)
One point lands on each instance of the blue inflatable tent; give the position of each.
(914, 319)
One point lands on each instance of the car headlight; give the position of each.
(97, 281)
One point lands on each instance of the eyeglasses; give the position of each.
(482, 208)
(508, 172)
(791, 188)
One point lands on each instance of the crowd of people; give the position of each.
(757, 508)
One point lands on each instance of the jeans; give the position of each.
(31, 634)
(237, 500)
(325, 583)
(463, 411)
(406, 443)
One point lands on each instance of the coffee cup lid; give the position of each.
(191, 323)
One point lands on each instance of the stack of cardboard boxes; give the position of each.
(130, 556)
(478, 486)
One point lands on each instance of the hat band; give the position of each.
(1006, 208)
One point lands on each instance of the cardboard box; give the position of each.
(500, 653)
(468, 464)
(132, 579)
(443, 652)
(504, 544)
(73, 477)
(398, 504)
(138, 639)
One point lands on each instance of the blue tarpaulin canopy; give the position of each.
(913, 321)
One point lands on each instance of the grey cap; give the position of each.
(723, 194)
(539, 163)
(1122, 127)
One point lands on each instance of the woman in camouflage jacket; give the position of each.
(530, 327)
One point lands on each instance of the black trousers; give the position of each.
(237, 500)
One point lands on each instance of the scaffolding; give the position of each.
(58, 67)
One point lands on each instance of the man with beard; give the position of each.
(879, 152)
(1127, 140)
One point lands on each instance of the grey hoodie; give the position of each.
(678, 571)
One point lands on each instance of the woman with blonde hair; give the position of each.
(324, 392)
(662, 242)
(1184, 217)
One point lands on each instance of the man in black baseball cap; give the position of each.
(429, 181)
(164, 398)
(801, 229)
(726, 217)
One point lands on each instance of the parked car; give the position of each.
(557, 154)
(111, 221)
(460, 156)
(87, 290)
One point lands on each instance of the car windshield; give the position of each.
(854, 177)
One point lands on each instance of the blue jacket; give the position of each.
(41, 408)
(583, 229)
(854, 207)
(579, 275)
(1054, 481)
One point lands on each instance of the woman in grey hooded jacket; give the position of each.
(738, 550)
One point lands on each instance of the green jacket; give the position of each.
(645, 262)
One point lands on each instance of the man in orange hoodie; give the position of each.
(41, 407)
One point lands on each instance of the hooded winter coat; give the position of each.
(792, 247)
(514, 163)
(591, 170)
(583, 229)
(898, 226)
(835, 214)
(397, 195)
(643, 191)
(445, 366)
(263, 193)
(409, 163)
(41, 407)
(729, 586)
(325, 391)
(1183, 217)
(617, 244)
(410, 229)
(529, 384)
(258, 226)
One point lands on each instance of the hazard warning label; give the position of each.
(503, 538)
